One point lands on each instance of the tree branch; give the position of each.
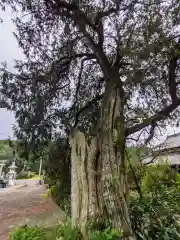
(77, 55)
(101, 15)
(155, 118)
(87, 106)
(79, 81)
(151, 133)
(172, 73)
(173, 94)
(80, 19)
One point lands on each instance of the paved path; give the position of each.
(23, 205)
(31, 182)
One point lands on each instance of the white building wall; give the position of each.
(171, 159)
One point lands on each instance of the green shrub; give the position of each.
(156, 176)
(156, 215)
(58, 173)
(28, 233)
(106, 234)
(22, 175)
(25, 175)
(67, 232)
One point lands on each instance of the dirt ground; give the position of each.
(18, 205)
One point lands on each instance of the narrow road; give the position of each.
(17, 204)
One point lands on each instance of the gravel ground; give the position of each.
(20, 204)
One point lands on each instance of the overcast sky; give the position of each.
(9, 50)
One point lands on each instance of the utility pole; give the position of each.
(40, 168)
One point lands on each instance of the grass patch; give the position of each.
(51, 232)
(32, 233)
(36, 177)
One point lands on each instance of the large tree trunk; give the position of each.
(114, 188)
(99, 183)
(83, 186)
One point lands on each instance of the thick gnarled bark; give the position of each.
(83, 186)
(113, 182)
(99, 183)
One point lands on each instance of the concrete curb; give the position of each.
(22, 186)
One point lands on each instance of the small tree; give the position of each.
(57, 166)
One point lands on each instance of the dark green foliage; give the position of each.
(67, 232)
(155, 217)
(22, 175)
(58, 173)
(22, 165)
(65, 74)
(6, 152)
(156, 214)
(16, 150)
(135, 154)
(25, 175)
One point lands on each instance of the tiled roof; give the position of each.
(172, 157)
(172, 141)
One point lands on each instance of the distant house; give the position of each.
(168, 152)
